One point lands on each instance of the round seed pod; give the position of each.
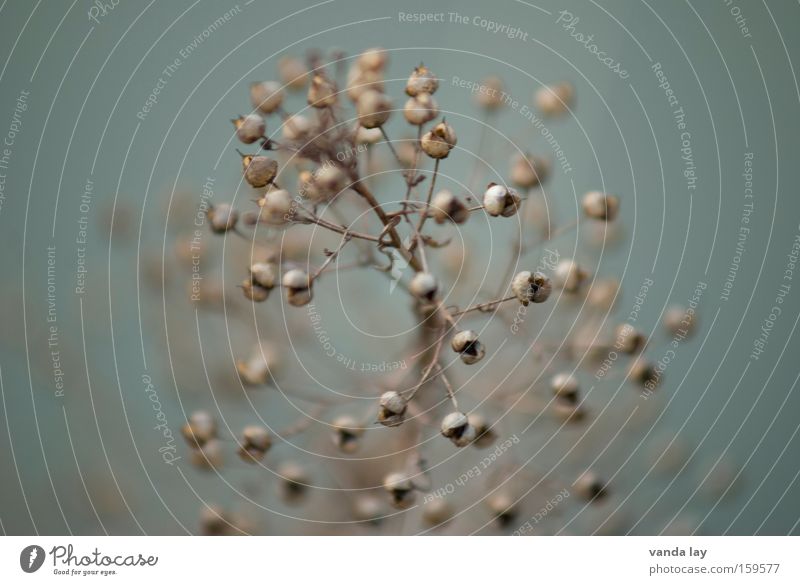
(259, 171)
(373, 59)
(360, 81)
(466, 344)
(392, 409)
(367, 508)
(368, 135)
(209, 456)
(628, 340)
(531, 287)
(200, 428)
(570, 276)
(565, 386)
(490, 96)
(424, 286)
(222, 218)
(456, 427)
(420, 109)
(347, 434)
(266, 96)
(254, 292)
(598, 205)
(679, 320)
(503, 508)
(644, 373)
(322, 93)
(254, 443)
(556, 99)
(276, 206)
(373, 109)
(484, 433)
(440, 141)
(421, 80)
(400, 489)
(259, 367)
(293, 72)
(264, 274)
(298, 287)
(529, 171)
(293, 486)
(447, 207)
(590, 487)
(214, 521)
(297, 128)
(603, 294)
(249, 128)
(500, 200)
(437, 512)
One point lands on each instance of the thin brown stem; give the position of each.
(483, 306)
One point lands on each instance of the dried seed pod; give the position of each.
(200, 428)
(392, 409)
(424, 286)
(259, 367)
(466, 344)
(360, 81)
(447, 207)
(502, 507)
(250, 128)
(500, 200)
(590, 487)
(437, 512)
(293, 487)
(297, 128)
(373, 109)
(440, 141)
(529, 171)
(644, 373)
(347, 434)
(259, 171)
(565, 386)
(556, 99)
(484, 433)
(421, 80)
(276, 206)
(368, 135)
(254, 443)
(266, 96)
(400, 489)
(490, 94)
(322, 93)
(367, 508)
(264, 274)
(599, 205)
(373, 59)
(456, 427)
(531, 287)
(603, 294)
(628, 340)
(420, 109)
(293, 72)
(679, 321)
(207, 457)
(253, 291)
(298, 287)
(222, 218)
(214, 521)
(570, 276)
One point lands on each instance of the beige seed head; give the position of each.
(266, 96)
(373, 109)
(421, 80)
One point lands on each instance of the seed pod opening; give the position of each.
(466, 344)
(456, 427)
(298, 287)
(531, 287)
(500, 200)
(392, 409)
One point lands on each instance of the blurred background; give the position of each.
(688, 111)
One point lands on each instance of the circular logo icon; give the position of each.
(31, 558)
